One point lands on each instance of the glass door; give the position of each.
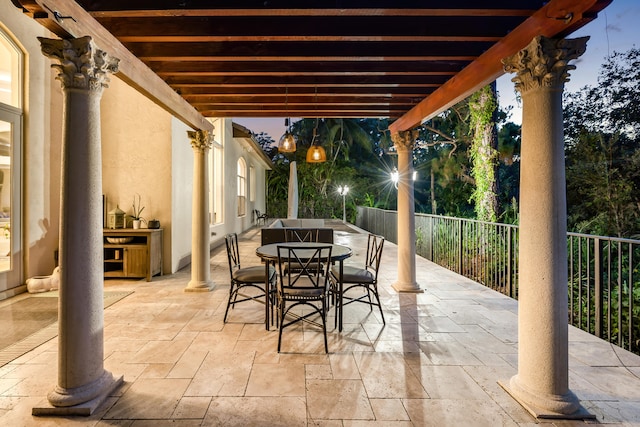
(10, 198)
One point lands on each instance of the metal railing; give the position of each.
(604, 272)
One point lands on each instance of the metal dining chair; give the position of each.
(247, 277)
(301, 234)
(260, 217)
(360, 277)
(306, 285)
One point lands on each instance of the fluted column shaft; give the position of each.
(200, 233)
(81, 375)
(542, 382)
(404, 143)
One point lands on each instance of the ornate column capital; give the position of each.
(200, 139)
(404, 140)
(544, 62)
(82, 64)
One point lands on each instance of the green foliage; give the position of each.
(445, 153)
(484, 156)
(353, 158)
(602, 150)
(356, 156)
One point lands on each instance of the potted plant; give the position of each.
(136, 217)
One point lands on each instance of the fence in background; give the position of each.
(604, 284)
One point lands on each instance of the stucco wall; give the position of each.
(40, 150)
(181, 195)
(136, 156)
(145, 151)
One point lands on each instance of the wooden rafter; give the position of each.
(402, 59)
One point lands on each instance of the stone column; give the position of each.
(404, 142)
(83, 383)
(200, 232)
(542, 382)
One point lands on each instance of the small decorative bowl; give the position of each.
(119, 240)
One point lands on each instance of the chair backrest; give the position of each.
(375, 244)
(233, 254)
(301, 234)
(304, 267)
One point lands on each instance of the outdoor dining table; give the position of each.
(269, 254)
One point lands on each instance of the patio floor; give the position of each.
(437, 362)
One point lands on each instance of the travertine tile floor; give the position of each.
(435, 363)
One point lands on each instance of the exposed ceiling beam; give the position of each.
(76, 22)
(120, 11)
(555, 18)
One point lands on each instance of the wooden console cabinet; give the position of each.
(139, 257)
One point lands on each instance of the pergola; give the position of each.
(405, 60)
(402, 59)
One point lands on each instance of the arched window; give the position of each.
(242, 187)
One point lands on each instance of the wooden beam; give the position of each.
(550, 20)
(75, 21)
(313, 38)
(268, 12)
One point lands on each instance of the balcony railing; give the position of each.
(604, 272)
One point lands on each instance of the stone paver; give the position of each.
(436, 362)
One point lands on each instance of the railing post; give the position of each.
(459, 246)
(431, 238)
(597, 267)
(510, 262)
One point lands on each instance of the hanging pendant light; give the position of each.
(287, 143)
(316, 153)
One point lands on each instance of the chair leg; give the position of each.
(324, 324)
(281, 319)
(369, 296)
(232, 291)
(377, 295)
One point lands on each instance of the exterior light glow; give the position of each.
(343, 190)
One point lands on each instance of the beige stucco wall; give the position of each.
(145, 151)
(235, 149)
(40, 150)
(181, 195)
(136, 156)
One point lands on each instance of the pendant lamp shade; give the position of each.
(287, 143)
(316, 154)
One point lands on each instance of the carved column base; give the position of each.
(200, 286)
(546, 406)
(407, 287)
(79, 401)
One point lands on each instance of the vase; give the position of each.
(136, 224)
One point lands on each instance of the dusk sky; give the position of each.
(617, 28)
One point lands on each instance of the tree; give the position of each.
(267, 143)
(484, 154)
(602, 150)
(343, 140)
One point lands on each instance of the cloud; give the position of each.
(613, 27)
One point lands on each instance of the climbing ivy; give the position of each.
(484, 157)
